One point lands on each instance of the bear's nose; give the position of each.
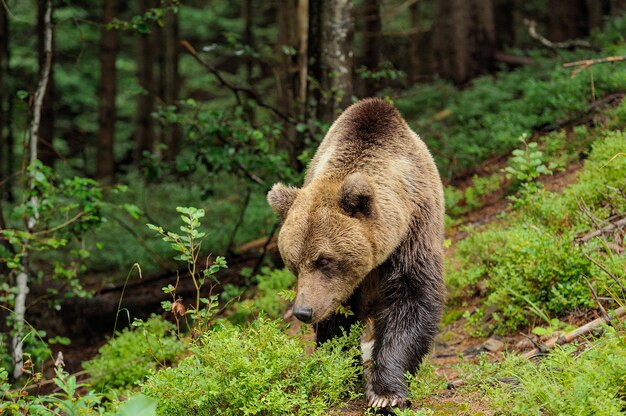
(304, 314)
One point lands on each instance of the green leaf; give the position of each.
(139, 405)
(133, 210)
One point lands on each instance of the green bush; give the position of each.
(257, 369)
(564, 382)
(273, 286)
(528, 268)
(531, 265)
(129, 357)
(464, 128)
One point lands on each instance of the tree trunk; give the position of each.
(47, 154)
(5, 151)
(596, 10)
(618, 7)
(4, 41)
(288, 75)
(329, 58)
(504, 21)
(105, 157)
(567, 20)
(463, 38)
(171, 80)
(303, 43)
(372, 40)
(35, 126)
(414, 41)
(144, 126)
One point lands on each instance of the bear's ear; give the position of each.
(280, 198)
(356, 194)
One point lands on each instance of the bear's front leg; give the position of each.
(404, 330)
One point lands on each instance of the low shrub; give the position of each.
(257, 369)
(130, 356)
(565, 382)
(531, 265)
(273, 286)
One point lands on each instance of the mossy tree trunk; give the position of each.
(329, 58)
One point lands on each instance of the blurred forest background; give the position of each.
(114, 114)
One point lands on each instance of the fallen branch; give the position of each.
(532, 31)
(236, 89)
(570, 336)
(510, 59)
(584, 64)
(564, 339)
(605, 230)
(607, 271)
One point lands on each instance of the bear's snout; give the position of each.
(303, 313)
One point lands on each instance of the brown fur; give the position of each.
(367, 228)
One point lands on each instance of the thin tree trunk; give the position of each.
(47, 154)
(144, 126)
(288, 75)
(4, 150)
(372, 40)
(171, 79)
(303, 41)
(105, 157)
(22, 277)
(414, 39)
(4, 40)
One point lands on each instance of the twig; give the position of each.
(607, 271)
(570, 336)
(586, 63)
(532, 31)
(236, 89)
(605, 230)
(65, 224)
(250, 175)
(595, 297)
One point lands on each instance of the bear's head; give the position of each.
(326, 240)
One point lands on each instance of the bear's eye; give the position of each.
(322, 262)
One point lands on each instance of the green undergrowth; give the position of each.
(585, 379)
(529, 263)
(464, 128)
(133, 353)
(218, 195)
(258, 369)
(568, 381)
(273, 288)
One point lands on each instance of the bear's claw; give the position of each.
(381, 402)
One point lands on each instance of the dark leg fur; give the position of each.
(408, 320)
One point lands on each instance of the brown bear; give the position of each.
(366, 231)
